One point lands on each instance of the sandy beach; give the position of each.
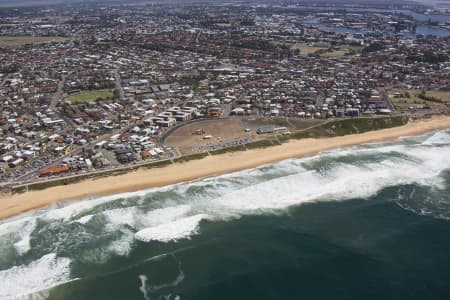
(212, 165)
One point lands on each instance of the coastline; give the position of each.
(12, 205)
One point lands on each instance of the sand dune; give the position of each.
(209, 166)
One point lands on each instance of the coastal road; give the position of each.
(173, 154)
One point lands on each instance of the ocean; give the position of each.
(365, 222)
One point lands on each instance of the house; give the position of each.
(167, 123)
(183, 116)
(56, 170)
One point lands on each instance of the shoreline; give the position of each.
(12, 205)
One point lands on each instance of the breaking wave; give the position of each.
(172, 231)
(46, 241)
(19, 282)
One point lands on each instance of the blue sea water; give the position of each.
(366, 222)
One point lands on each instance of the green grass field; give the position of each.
(89, 96)
(333, 54)
(356, 49)
(322, 45)
(442, 95)
(350, 126)
(414, 100)
(306, 49)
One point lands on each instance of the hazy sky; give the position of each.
(436, 3)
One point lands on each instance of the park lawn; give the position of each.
(89, 96)
(444, 96)
(323, 45)
(333, 54)
(306, 49)
(413, 100)
(19, 41)
(357, 49)
(311, 48)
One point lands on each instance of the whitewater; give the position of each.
(40, 248)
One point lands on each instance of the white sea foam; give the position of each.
(19, 231)
(177, 210)
(84, 219)
(119, 217)
(22, 246)
(438, 138)
(294, 186)
(143, 287)
(67, 210)
(122, 246)
(135, 218)
(180, 277)
(167, 214)
(71, 209)
(44, 273)
(343, 181)
(9, 226)
(172, 231)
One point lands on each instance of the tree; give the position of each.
(116, 94)
(374, 47)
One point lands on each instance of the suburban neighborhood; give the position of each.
(87, 90)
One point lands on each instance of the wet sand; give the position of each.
(11, 205)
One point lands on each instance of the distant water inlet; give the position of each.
(421, 29)
(331, 219)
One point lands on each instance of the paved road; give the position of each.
(173, 153)
(118, 84)
(320, 100)
(77, 148)
(226, 110)
(385, 97)
(5, 79)
(58, 95)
